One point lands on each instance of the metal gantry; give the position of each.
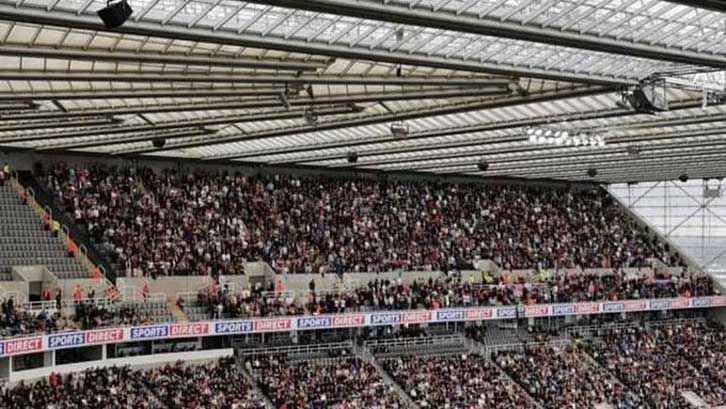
(692, 215)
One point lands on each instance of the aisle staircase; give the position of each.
(25, 242)
(253, 385)
(365, 355)
(176, 312)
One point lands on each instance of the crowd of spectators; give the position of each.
(341, 382)
(632, 366)
(90, 315)
(94, 388)
(661, 363)
(566, 378)
(212, 386)
(15, 321)
(448, 292)
(704, 344)
(456, 381)
(178, 223)
(222, 302)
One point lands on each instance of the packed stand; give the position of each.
(221, 302)
(565, 378)
(16, 321)
(659, 365)
(171, 223)
(332, 383)
(456, 381)
(90, 315)
(212, 386)
(704, 344)
(455, 292)
(451, 292)
(94, 388)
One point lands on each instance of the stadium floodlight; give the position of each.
(399, 130)
(560, 137)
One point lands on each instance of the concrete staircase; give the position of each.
(479, 348)
(365, 355)
(25, 242)
(176, 312)
(253, 385)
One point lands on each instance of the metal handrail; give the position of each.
(295, 349)
(406, 342)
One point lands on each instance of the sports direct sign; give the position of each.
(76, 339)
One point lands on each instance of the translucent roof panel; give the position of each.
(434, 86)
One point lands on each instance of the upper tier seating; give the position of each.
(171, 223)
(25, 242)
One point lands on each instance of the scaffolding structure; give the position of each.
(692, 215)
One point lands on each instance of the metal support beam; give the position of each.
(466, 23)
(266, 103)
(211, 121)
(713, 5)
(419, 136)
(239, 79)
(30, 14)
(712, 168)
(186, 133)
(16, 105)
(616, 162)
(29, 126)
(496, 160)
(615, 142)
(503, 102)
(144, 93)
(156, 58)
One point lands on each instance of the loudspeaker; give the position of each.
(158, 143)
(115, 14)
(592, 172)
(648, 98)
(683, 178)
(352, 157)
(483, 165)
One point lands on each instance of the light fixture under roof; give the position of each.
(553, 136)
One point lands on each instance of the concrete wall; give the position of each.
(18, 289)
(68, 286)
(172, 286)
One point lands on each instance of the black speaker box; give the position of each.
(115, 14)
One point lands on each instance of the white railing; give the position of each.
(296, 349)
(414, 343)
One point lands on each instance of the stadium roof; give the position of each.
(305, 82)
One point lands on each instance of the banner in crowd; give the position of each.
(75, 339)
